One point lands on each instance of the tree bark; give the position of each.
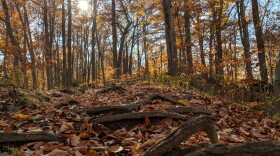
(47, 46)
(64, 59)
(244, 33)
(14, 41)
(93, 41)
(276, 84)
(114, 34)
(219, 48)
(69, 46)
(31, 50)
(188, 43)
(170, 38)
(260, 43)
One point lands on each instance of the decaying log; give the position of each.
(243, 149)
(193, 109)
(112, 110)
(129, 120)
(190, 127)
(67, 103)
(157, 96)
(129, 107)
(112, 88)
(28, 137)
(139, 115)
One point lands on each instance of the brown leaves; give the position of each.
(115, 149)
(237, 123)
(66, 126)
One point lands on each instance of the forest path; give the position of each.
(129, 119)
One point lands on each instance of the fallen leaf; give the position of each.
(74, 140)
(2, 121)
(58, 152)
(115, 149)
(242, 130)
(92, 153)
(139, 136)
(257, 133)
(21, 116)
(66, 126)
(84, 135)
(147, 121)
(168, 121)
(8, 129)
(181, 101)
(82, 149)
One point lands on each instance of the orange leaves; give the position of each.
(84, 135)
(183, 102)
(21, 116)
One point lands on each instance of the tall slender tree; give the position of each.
(114, 33)
(69, 45)
(188, 43)
(170, 38)
(260, 43)
(244, 35)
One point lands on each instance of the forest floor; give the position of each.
(92, 122)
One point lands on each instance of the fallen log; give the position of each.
(112, 88)
(28, 137)
(112, 110)
(190, 127)
(129, 120)
(128, 108)
(193, 109)
(67, 103)
(243, 149)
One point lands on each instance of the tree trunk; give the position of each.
(170, 38)
(131, 49)
(200, 33)
(114, 31)
(93, 41)
(276, 84)
(219, 48)
(121, 50)
(69, 46)
(47, 46)
(64, 59)
(188, 43)
(244, 33)
(14, 41)
(211, 50)
(260, 43)
(31, 49)
(138, 55)
(145, 48)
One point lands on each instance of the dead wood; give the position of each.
(129, 120)
(190, 127)
(129, 107)
(156, 96)
(67, 103)
(28, 137)
(193, 109)
(112, 88)
(108, 110)
(243, 149)
(131, 81)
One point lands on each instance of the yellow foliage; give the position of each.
(20, 116)
(184, 102)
